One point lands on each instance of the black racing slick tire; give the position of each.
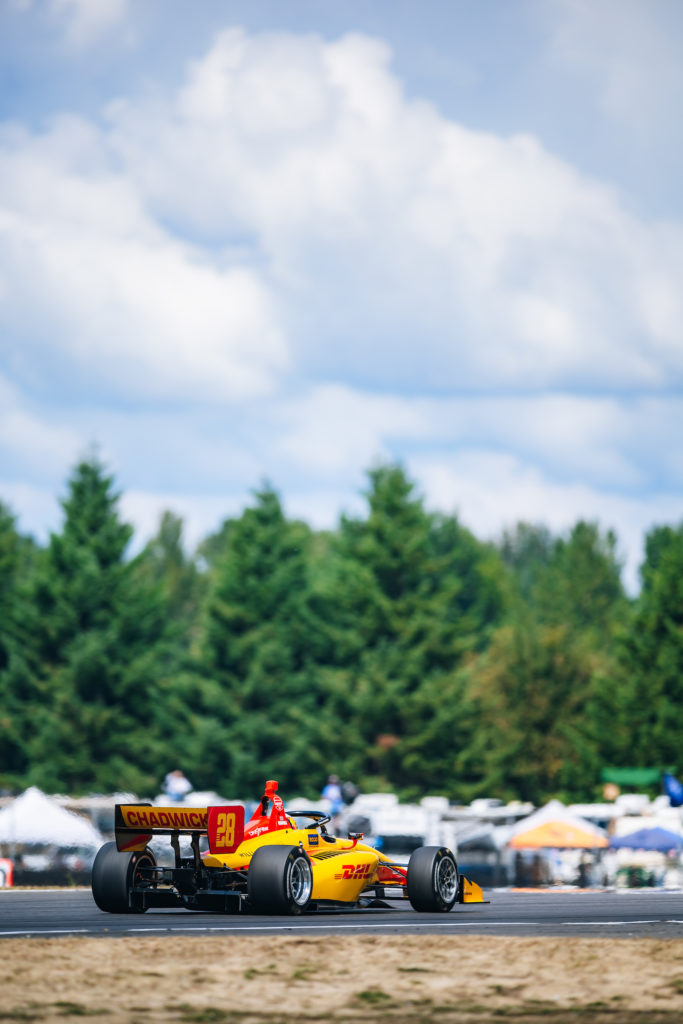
(114, 875)
(432, 879)
(279, 880)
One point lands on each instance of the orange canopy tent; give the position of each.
(553, 826)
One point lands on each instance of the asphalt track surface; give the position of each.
(615, 914)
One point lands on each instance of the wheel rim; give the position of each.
(143, 861)
(446, 879)
(300, 881)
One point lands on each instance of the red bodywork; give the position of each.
(261, 820)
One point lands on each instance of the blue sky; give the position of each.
(246, 241)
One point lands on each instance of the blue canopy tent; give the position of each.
(648, 839)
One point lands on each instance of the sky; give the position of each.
(248, 241)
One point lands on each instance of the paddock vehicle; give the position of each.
(267, 866)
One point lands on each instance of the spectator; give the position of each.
(176, 786)
(349, 792)
(332, 793)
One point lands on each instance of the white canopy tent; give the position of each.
(555, 826)
(35, 817)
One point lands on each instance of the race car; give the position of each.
(267, 866)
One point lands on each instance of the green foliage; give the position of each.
(580, 584)
(164, 563)
(260, 638)
(9, 561)
(88, 662)
(527, 550)
(532, 687)
(410, 595)
(650, 677)
(397, 650)
(545, 681)
(17, 558)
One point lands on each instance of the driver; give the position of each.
(264, 821)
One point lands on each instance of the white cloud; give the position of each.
(201, 516)
(284, 268)
(214, 96)
(89, 279)
(492, 492)
(420, 250)
(489, 490)
(35, 508)
(333, 222)
(550, 459)
(28, 440)
(609, 442)
(332, 428)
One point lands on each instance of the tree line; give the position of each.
(397, 650)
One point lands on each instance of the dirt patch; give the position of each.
(290, 980)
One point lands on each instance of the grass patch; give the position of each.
(254, 972)
(210, 1015)
(67, 1009)
(476, 1009)
(206, 1015)
(304, 973)
(373, 997)
(20, 1013)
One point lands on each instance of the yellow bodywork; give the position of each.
(471, 892)
(342, 869)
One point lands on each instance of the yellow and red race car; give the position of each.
(267, 866)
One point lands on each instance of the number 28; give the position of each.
(225, 829)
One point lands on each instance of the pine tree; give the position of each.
(10, 546)
(649, 694)
(580, 585)
(18, 556)
(532, 688)
(527, 550)
(165, 562)
(260, 640)
(426, 594)
(544, 684)
(93, 653)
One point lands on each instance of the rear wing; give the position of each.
(135, 824)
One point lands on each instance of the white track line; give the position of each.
(50, 931)
(340, 927)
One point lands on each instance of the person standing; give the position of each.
(332, 792)
(177, 786)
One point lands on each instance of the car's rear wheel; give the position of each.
(279, 880)
(432, 879)
(114, 874)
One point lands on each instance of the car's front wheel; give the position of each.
(432, 879)
(279, 880)
(114, 875)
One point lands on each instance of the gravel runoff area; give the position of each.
(291, 980)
